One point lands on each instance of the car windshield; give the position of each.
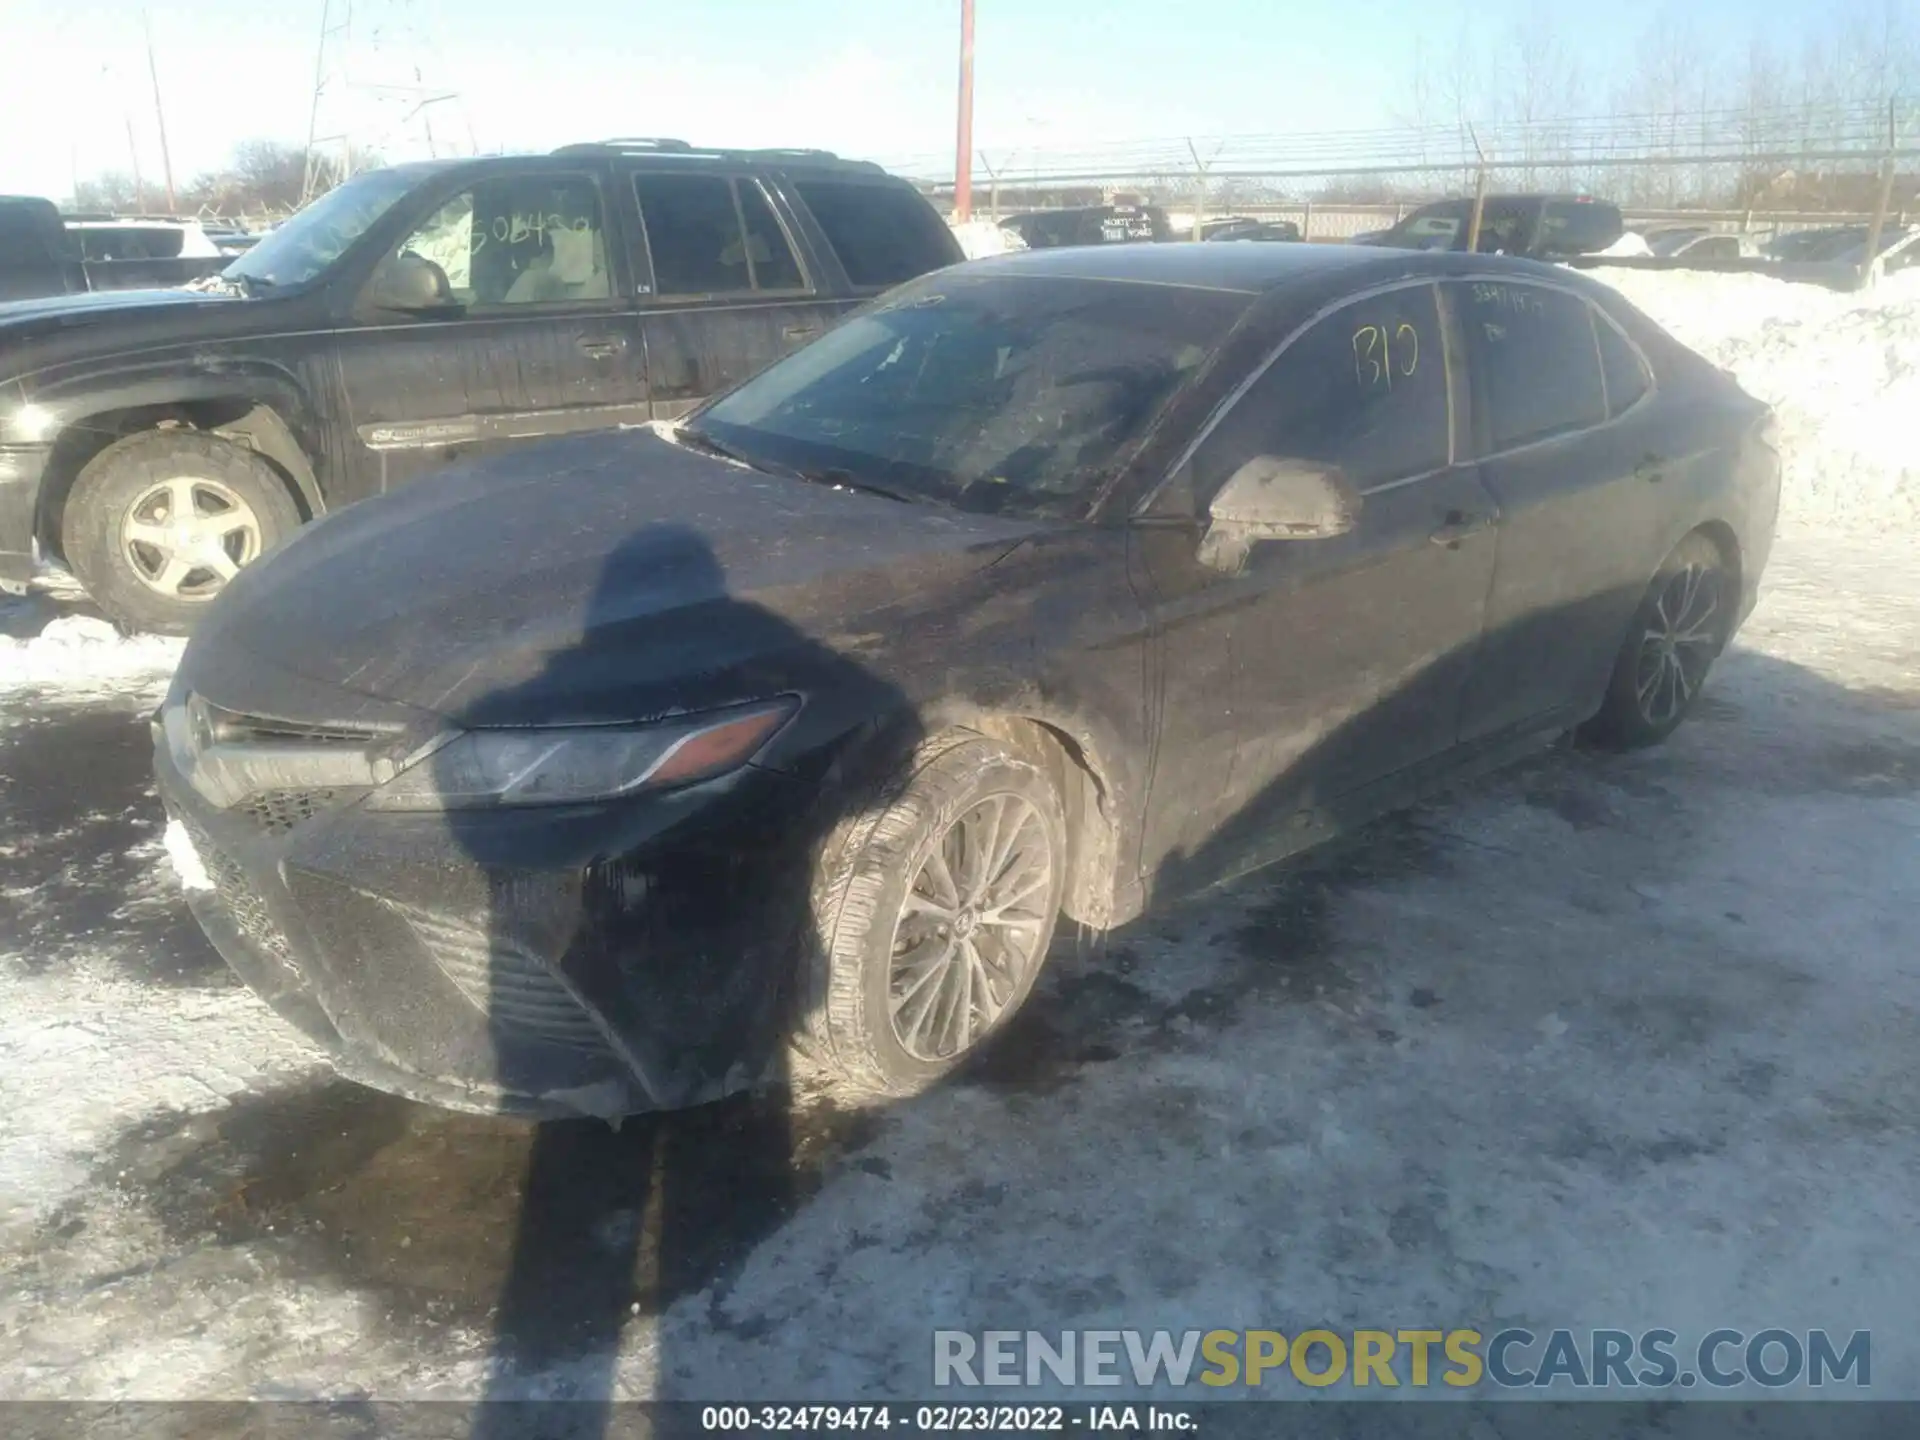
(1011, 394)
(301, 249)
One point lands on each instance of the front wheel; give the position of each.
(1681, 627)
(934, 912)
(159, 522)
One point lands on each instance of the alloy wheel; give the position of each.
(186, 536)
(970, 926)
(1679, 644)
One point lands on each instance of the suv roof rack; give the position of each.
(651, 145)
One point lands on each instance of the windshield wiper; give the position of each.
(845, 480)
(700, 440)
(839, 479)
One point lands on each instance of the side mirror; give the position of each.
(412, 284)
(1269, 498)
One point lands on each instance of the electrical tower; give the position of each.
(330, 71)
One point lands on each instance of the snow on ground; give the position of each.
(76, 657)
(1841, 369)
(1600, 1041)
(980, 238)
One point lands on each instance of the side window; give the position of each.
(1625, 372)
(705, 241)
(520, 240)
(1365, 389)
(883, 234)
(1503, 227)
(1535, 367)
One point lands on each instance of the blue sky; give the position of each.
(872, 77)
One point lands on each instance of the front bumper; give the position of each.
(588, 960)
(21, 467)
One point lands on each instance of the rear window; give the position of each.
(1576, 227)
(883, 234)
(709, 235)
(131, 242)
(1535, 366)
(1620, 363)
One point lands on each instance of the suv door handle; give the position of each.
(1651, 468)
(601, 347)
(1457, 527)
(802, 332)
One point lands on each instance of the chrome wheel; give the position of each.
(1679, 644)
(970, 928)
(187, 536)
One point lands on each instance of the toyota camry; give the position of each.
(611, 774)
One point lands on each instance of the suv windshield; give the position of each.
(1005, 395)
(301, 249)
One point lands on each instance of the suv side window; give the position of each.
(520, 240)
(711, 235)
(1621, 365)
(1365, 388)
(1535, 366)
(883, 234)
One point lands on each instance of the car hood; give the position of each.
(82, 307)
(588, 580)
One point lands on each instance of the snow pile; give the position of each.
(1841, 370)
(78, 655)
(979, 238)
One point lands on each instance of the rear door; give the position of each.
(725, 290)
(1570, 451)
(541, 338)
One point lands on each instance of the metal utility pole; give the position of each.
(1888, 165)
(963, 150)
(159, 115)
(1479, 195)
(133, 150)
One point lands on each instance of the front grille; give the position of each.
(504, 980)
(243, 903)
(229, 727)
(278, 811)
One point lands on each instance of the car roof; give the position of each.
(1250, 269)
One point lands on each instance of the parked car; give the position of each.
(1698, 243)
(1244, 229)
(587, 778)
(37, 256)
(157, 442)
(1091, 225)
(1543, 227)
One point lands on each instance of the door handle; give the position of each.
(1651, 469)
(1457, 526)
(601, 347)
(801, 332)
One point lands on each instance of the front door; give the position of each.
(538, 338)
(1348, 655)
(724, 289)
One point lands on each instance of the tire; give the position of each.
(1679, 630)
(856, 1035)
(122, 540)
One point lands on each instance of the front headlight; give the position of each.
(575, 766)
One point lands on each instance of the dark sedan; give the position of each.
(605, 776)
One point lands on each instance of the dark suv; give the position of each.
(156, 441)
(1543, 227)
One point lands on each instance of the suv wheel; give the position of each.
(933, 918)
(159, 522)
